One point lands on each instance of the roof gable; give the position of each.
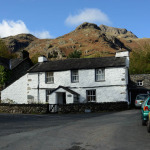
(66, 89)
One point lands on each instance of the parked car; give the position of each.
(148, 123)
(140, 99)
(145, 109)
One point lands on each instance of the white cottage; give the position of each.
(67, 81)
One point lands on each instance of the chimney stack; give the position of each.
(42, 58)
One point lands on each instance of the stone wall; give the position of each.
(90, 107)
(68, 108)
(24, 108)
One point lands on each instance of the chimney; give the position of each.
(24, 54)
(123, 54)
(42, 58)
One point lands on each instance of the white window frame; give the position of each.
(139, 83)
(91, 95)
(49, 77)
(74, 76)
(99, 75)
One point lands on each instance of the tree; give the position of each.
(75, 54)
(4, 52)
(140, 60)
(4, 75)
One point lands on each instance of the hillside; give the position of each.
(90, 39)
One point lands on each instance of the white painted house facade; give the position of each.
(73, 81)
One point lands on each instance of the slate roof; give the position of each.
(4, 62)
(15, 62)
(79, 63)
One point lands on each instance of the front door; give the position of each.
(61, 98)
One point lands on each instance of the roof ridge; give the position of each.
(33, 67)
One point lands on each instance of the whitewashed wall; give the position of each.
(105, 94)
(16, 91)
(113, 76)
(114, 88)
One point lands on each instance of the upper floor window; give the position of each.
(74, 76)
(49, 77)
(100, 74)
(139, 83)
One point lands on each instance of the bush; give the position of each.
(75, 54)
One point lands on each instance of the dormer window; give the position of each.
(139, 83)
(74, 76)
(49, 77)
(99, 75)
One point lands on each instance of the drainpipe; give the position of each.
(38, 86)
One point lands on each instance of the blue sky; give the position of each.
(53, 18)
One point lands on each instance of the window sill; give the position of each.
(75, 82)
(101, 81)
(49, 82)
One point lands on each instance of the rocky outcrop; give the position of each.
(18, 42)
(86, 25)
(117, 32)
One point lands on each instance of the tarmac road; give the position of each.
(101, 131)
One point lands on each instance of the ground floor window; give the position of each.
(91, 95)
(48, 92)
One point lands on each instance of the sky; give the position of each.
(54, 18)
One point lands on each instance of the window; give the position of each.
(74, 76)
(139, 83)
(100, 74)
(49, 77)
(91, 95)
(48, 92)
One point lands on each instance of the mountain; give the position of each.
(90, 39)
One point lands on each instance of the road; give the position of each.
(90, 131)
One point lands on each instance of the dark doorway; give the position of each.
(64, 98)
(61, 98)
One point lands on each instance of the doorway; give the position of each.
(61, 98)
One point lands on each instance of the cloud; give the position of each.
(92, 15)
(43, 35)
(10, 28)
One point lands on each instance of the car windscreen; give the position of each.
(141, 97)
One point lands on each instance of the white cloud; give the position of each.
(92, 15)
(10, 28)
(43, 35)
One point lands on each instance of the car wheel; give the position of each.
(148, 126)
(143, 122)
